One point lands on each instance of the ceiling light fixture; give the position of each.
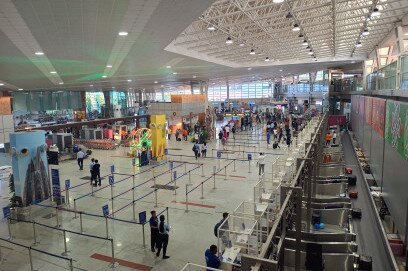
(20, 89)
(1, 84)
(305, 43)
(174, 73)
(296, 27)
(229, 41)
(194, 76)
(267, 59)
(365, 32)
(211, 28)
(91, 85)
(280, 70)
(278, 1)
(108, 66)
(39, 53)
(129, 80)
(104, 76)
(249, 68)
(156, 82)
(61, 83)
(375, 13)
(242, 44)
(311, 52)
(123, 33)
(53, 72)
(168, 67)
(358, 45)
(252, 52)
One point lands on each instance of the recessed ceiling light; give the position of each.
(358, 45)
(61, 83)
(305, 43)
(174, 73)
(211, 28)
(375, 13)
(108, 66)
(91, 85)
(310, 53)
(229, 40)
(249, 68)
(1, 84)
(252, 52)
(123, 33)
(194, 76)
(296, 27)
(352, 62)
(267, 59)
(53, 72)
(280, 70)
(278, 1)
(168, 67)
(129, 80)
(39, 53)
(20, 89)
(365, 32)
(104, 76)
(162, 86)
(242, 44)
(156, 82)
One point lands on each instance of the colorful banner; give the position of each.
(354, 103)
(396, 126)
(378, 116)
(361, 107)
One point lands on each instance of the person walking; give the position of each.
(211, 258)
(91, 164)
(196, 150)
(204, 150)
(97, 172)
(233, 130)
(185, 134)
(328, 138)
(163, 237)
(80, 159)
(261, 163)
(154, 231)
(227, 130)
(169, 133)
(268, 137)
(334, 138)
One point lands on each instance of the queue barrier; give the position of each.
(64, 231)
(29, 248)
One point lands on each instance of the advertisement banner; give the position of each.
(378, 116)
(56, 187)
(361, 107)
(396, 126)
(368, 109)
(354, 103)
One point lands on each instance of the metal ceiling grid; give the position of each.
(332, 28)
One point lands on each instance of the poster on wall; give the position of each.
(378, 116)
(361, 107)
(368, 110)
(354, 103)
(396, 126)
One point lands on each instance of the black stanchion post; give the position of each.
(31, 259)
(113, 210)
(202, 170)
(167, 214)
(186, 198)
(57, 218)
(189, 177)
(113, 264)
(225, 171)
(34, 234)
(80, 222)
(144, 237)
(71, 265)
(106, 227)
(202, 190)
(67, 195)
(75, 209)
(9, 228)
(155, 196)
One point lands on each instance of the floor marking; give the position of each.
(136, 266)
(235, 176)
(195, 204)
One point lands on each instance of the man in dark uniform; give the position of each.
(154, 230)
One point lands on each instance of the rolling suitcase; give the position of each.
(348, 170)
(356, 213)
(353, 194)
(352, 180)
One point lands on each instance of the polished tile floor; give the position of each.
(191, 232)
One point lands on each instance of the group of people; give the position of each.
(278, 130)
(95, 170)
(331, 136)
(196, 150)
(159, 234)
(224, 133)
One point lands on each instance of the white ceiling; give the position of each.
(79, 39)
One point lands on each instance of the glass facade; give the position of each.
(240, 91)
(404, 73)
(386, 77)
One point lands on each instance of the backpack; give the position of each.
(216, 228)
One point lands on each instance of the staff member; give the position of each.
(261, 163)
(154, 231)
(91, 164)
(80, 159)
(211, 258)
(97, 172)
(163, 238)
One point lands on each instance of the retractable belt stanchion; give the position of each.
(9, 228)
(155, 196)
(202, 190)
(202, 170)
(189, 177)
(113, 264)
(34, 235)
(113, 209)
(107, 227)
(144, 237)
(225, 171)
(57, 217)
(92, 191)
(66, 252)
(234, 165)
(31, 259)
(214, 175)
(167, 214)
(133, 204)
(80, 222)
(75, 209)
(67, 195)
(186, 198)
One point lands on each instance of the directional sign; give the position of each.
(67, 184)
(6, 212)
(142, 217)
(249, 156)
(112, 168)
(134, 162)
(105, 210)
(218, 154)
(111, 180)
(174, 175)
(171, 164)
(56, 188)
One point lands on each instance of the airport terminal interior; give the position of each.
(194, 135)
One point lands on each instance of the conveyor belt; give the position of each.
(368, 235)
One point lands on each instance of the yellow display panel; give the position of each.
(158, 130)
